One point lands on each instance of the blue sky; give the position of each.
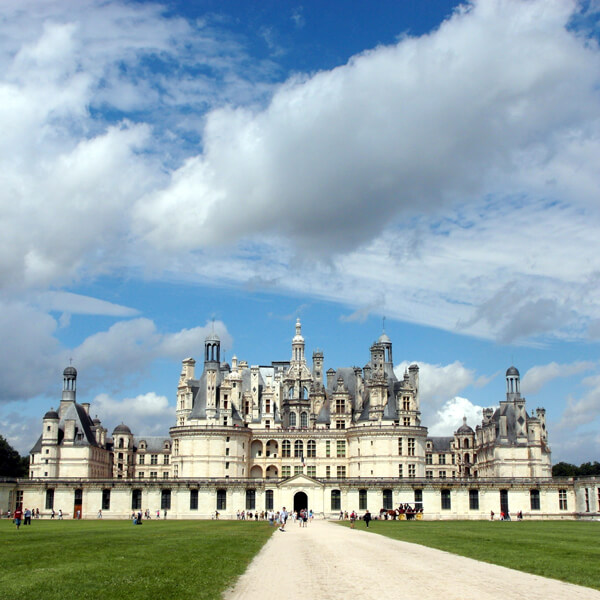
(172, 167)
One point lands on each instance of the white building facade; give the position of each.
(287, 434)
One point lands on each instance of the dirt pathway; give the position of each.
(326, 561)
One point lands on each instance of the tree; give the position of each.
(563, 469)
(11, 463)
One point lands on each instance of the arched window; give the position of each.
(304, 420)
(292, 419)
(336, 499)
(304, 393)
(286, 448)
(467, 459)
(298, 449)
(466, 443)
(311, 449)
(291, 392)
(121, 443)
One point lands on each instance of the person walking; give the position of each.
(18, 517)
(27, 517)
(367, 518)
(352, 519)
(99, 515)
(283, 519)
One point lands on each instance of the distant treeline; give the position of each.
(588, 469)
(11, 463)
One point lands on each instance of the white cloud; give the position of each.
(584, 410)
(450, 416)
(145, 414)
(438, 383)
(537, 377)
(67, 302)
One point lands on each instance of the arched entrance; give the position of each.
(300, 501)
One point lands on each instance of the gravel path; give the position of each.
(326, 561)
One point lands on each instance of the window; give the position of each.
(428, 474)
(226, 451)
(399, 446)
(221, 499)
(341, 448)
(362, 499)
(442, 475)
(418, 499)
(292, 419)
(78, 496)
(297, 469)
(154, 459)
(49, 499)
(286, 448)
(141, 474)
(562, 499)
(304, 420)
(311, 449)
(136, 499)
(336, 499)
(406, 421)
(328, 448)
(165, 499)
(587, 500)
(286, 471)
(250, 499)
(340, 406)
(311, 471)
(446, 502)
(387, 500)
(106, 499)
(176, 447)
(442, 459)
(339, 424)
(153, 474)
(400, 471)
(411, 446)
(428, 459)
(406, 403)
(166, 475)
(193, 499)
(166, 459)
(473, 499)
(534, 499)
(269, 500)
(341, 472)
(411, 470)
(298, 449)
(142, 459)
(328, 472)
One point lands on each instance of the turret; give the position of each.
(298, 345)
(212, 359)
(69, 389)
(317, 370)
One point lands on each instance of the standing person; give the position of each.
(99, 515)
(165, 514)
(367, 518)
(27, 515)
(37, 513)
(18, 517)
(60, 514)
(283, 519)
(52, 514)
(352, 519)
(158, 514)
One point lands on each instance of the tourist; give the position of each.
(52, 514)
(18, 517)
(60, 514)
(99, 515)
(37, 513)
(367, 518)
(492, 515)
(27, 515)
(352, 519)
(283, 516)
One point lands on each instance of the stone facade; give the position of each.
(254, 437)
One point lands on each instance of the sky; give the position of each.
(428, 168)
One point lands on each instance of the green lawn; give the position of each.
(54, 560)
(565, 550)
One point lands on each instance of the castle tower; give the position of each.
(298, 345)
(513, 394)
(212, 361)
(69, 389)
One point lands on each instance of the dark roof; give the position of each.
(440, 444)
(512, 371)
(122, 428)
(51, 414)
(70, 372)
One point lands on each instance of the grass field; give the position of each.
(565, 550)
(54, 560)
